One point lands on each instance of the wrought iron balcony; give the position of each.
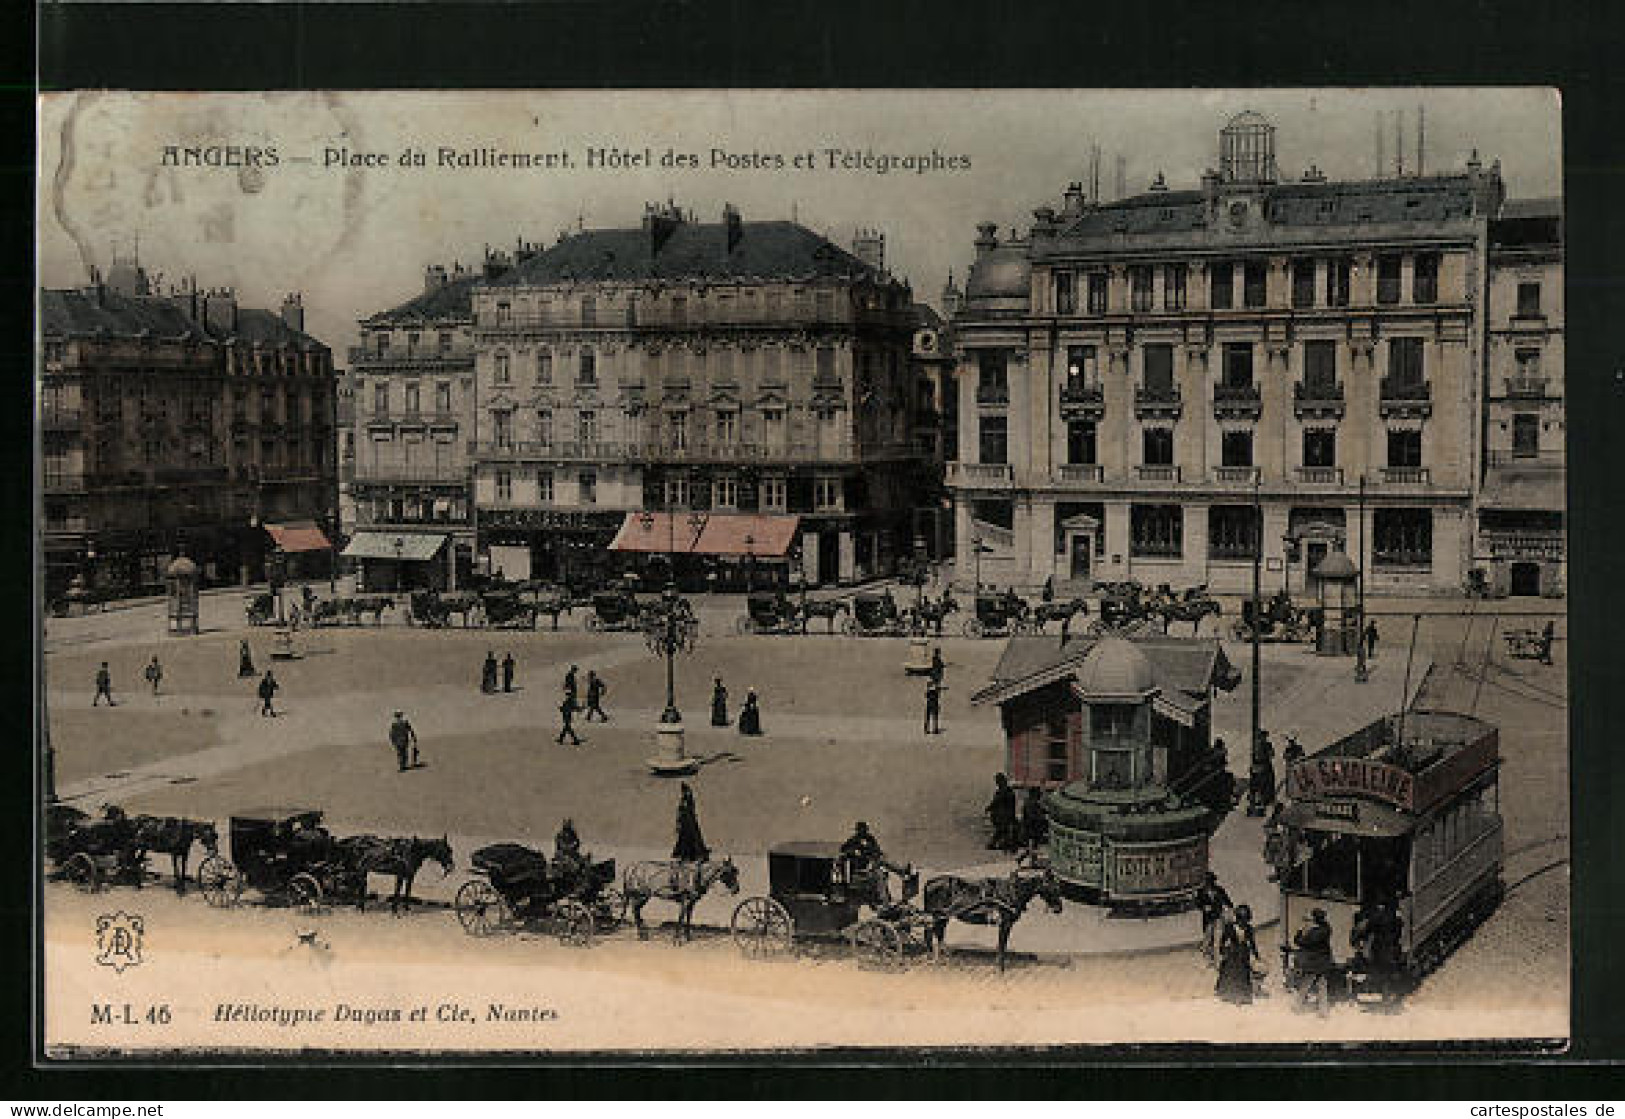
(1405, 398)
(1157, 472)
(1405, 475)
(1237, 401)
(983, 474)
(1321, 475)
(1074, 472)
(1077, 392)
(1318, 399)
(1245, 475)
(1157, 402)
(992, 394)
(1533, 388)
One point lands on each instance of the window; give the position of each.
(442, 397)
(1080, 442)
(587, 487)
(1303, 283)
(1066, 294)
(1405, 361)
(1173, 287)
(1220, 284)
(824, 305)
(992, 373)
(500, 374)
(679, 310)
(544, 426)
(380, 400)
(1404, 448)
(825, 367)
(1058, 762)
(502, 425)
(1140, 288)
(1236, 448)
(544, 367)
(1159, 370)
(504, 482)
(1529, 299)
(1337, 282)
(1232, 532)
(826, 493)
(586, 428)
(993, 440)
(1529, 364)
(1319, 447)
(445, 341)
(587, 370)
(544, 487)
(411, 400)
(504, 314)
(727, 427)
(1525, 435)
(1080, 367)
(773, 428)
(631, 310)
(1388, 277)
(1097, 293)
(1255, 284)
(1156, 530)
(725, 492)
(1157, 446)
(773, 494)
(1402, 537)
(677, 427)
(589, 311)
(1320, 365)
(1238, 364)
(677, 493)
(380, 343)
(411, 343)
(1425, 279)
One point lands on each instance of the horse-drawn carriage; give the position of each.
(1277, 619)
(1190, 605)
(283, 853)
(517, 886)
(260, 608)
(615, 610)
(435, 609)
(874, 615)
(92, 853)
(508, 609)
(770, 612)
(998, 615)
(1531, 644)
(351, 611)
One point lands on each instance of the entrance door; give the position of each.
(1314, 551)
(1083, 554)
(1526, 580)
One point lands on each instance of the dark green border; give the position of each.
(572, 43)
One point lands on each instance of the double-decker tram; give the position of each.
(1404, 814)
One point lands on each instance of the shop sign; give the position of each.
(1075, 856)
(1162, 869)
(1318, 778)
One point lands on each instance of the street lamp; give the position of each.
(979, 549)
(750, 563)
(400, 548)
(670, 628)
(1361, 675)
(332, 552)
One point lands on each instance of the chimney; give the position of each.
(497, 263)
(1159, 184)
(434, 277)
(293, 311)
(1314, 175)
(1210, 193)
(986, 237)
(869, 246)
(953, 300)
(660, 222)
(1072, 200)
(735, 226)
(1488, 190)
(523, 250)
(220, 311)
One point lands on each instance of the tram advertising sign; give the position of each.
(1315, 778)
(1157, 869)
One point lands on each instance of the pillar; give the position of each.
(809, 557)
(1195, 535)
(1449, 571)
(1022, 561)
(964, 557)
(1274, 529)
(848, 571)
(1042, 539)
(1116, 528)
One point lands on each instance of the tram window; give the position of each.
(1333, 870)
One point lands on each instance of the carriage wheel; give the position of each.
(878, 945)
(745, 625)
(574, 923)
(594, 623)
(480, 909)
(974, 628)
(305, 893)
(219, 882)
(83, 872)
(849, 626)
(761, 927)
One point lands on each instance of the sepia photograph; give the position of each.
(762, 572)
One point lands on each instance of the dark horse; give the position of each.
(680, 881)
(930, 613)
(828, 609)
(1191, 610)
(174, 836)
(985, 901)
(362, 855)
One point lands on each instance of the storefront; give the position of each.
(403, 561)
(721, 551)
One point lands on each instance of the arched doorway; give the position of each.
(1525, 580)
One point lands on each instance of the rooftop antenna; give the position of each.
(1399, 143)
(1421, 143)
(1382, 167)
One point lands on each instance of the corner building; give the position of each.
(1133, 373)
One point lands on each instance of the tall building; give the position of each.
(180, 423)
(413, 377)
(1134, 374)
(1520, 543)
(935, 424)
(744, 368)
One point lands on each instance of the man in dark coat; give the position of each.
(750, 715)
(933, 706)
(1376, 942)
(939, 667)
(567, 713)
(507, 672)
(719, 704)
(245, 661)
(1313, 944)
(104, 686)
(1370, 637)
(488, 673)
(268, 689)
(595, 696)
(690, 845)
(1261, 777)
(1211, 901)
(1034, 824)
(1001, 810)
(1548, 634)
(570, 683)
(403, 738)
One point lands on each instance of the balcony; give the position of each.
(1318, 400)
(1527, 388)
(1235, 475)
(1526, 458)
(992, 394)
(447, 474)
(1524, 544)
(1081, 401)
(1237, 401)
(1074, 473)
(971, 475)
(1405, 475)
(1405, 398)
(1157, 472)
(1157, 402)
(1320, 475)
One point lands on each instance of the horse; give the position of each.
(328, 611)
(553, 607)
(931, 613)
(174, 836)
(984, 901)
(1046, 612)
(363, 855)
(828, 609)
(1188, 610)
(681, 881)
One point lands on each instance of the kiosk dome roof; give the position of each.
(1115, 669)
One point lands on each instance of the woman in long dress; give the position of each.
(719, 704)
(690, 846)
(1238, 950)
(750, 715)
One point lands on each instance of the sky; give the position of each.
(354, 239)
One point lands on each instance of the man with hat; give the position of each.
(1313, 944)
(1212, 900)
(402, 736)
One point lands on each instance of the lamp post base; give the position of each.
(919, 657)
(669, 759)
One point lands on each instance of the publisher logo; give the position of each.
(118, 940)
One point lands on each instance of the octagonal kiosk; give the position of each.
(1337, 579)
(180, 581)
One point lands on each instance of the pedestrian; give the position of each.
(1212, 901)
(1238, 956)
(155, 675)
(1375, 939)
(567, 711)
(1261, 776)
(1001, 811)
(507, 672)
(402, 737)
(1048, 593)
(488, 673)
(1313, 945)
(570, 682)
(1034, 824)
(308, 597)
(245, 662)
(690, 845)
(1371, 639)
(939, 667)
(268, 689)
(1548, 634)
(104, 686)
(719, 703)
(596, 689)
(933, 706)
(750, 715)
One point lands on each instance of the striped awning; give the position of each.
(299, 536)
(713, 534)
(395, 545)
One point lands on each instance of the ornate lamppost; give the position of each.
(670, 628)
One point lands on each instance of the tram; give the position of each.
(1405, 813)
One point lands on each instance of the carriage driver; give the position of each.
(866, 865)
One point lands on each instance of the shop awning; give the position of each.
(299, 536)
(716, 534)
(417, 546)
